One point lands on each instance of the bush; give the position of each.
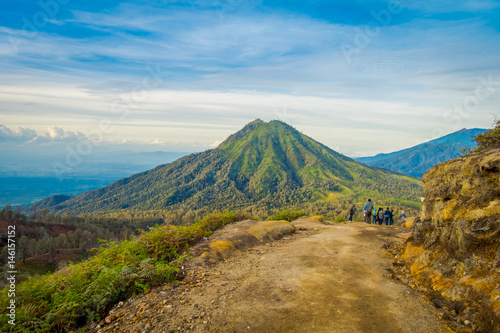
(287, 215)
(489, 139)
(85, 292)
(339, 218)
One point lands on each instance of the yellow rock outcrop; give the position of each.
(454, 250)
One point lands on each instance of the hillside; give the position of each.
(264, 166)
(416, 161)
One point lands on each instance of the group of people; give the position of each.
(380, 216)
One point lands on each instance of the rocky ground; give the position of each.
(324, 277)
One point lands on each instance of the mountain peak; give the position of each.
(265, 166)
(256, 122)
(417, 160)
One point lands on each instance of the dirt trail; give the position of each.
(325, 278)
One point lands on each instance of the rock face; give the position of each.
(454, 250)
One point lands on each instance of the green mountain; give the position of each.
(416, 161)
(261, 168)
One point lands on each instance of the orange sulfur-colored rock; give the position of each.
(454, 250)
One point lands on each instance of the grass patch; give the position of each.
(287, 215)
(81, 293)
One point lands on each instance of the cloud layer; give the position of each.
(187, 74)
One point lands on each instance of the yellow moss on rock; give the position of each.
(270, 230)
(411, 252)
(409, 222)
(222, 246)
(221, 249)
(316, 218)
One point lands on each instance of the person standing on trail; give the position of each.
(391, 222)
(368, 209)
(351, 213)
(381, 215)
(387, 216)
(374, 216)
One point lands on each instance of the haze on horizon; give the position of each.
(362, 77)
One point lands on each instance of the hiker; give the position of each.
(368, 209)
(402, 216)
(380, 216)
(374, 216)
(387, 216)
(391, 222)
(351, 213)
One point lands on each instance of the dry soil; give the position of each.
(323, 278)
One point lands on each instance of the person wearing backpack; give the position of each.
(381, 215)
(391, 222)
(387, 216)
(368, 209)
(374, 216)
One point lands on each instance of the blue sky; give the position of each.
(362, 77)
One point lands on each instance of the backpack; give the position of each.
(369, 207)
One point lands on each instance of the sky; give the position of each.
(362, 77)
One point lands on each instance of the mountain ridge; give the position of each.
(264, 166)
(415, 161)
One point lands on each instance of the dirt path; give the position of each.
(329, 279)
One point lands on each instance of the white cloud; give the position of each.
(27, 135)
(56, 132)
(215, 144)
(19, 135)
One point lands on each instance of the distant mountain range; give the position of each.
(416, 161)
(262, 167)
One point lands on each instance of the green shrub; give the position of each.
(287, 215)
(489, 139)
(85, 292)
(339, 218)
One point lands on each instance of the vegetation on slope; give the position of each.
(287, 215)
(45, 242)
(490, 139)
(84, 292)
(264, 168)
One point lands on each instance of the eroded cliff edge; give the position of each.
(454, 250)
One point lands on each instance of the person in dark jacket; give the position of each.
(380, 215)
(351, 213)
(402, 216)
(387, 215)
(391, 222)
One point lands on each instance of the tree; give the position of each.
(489, 139)
(23, 248)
